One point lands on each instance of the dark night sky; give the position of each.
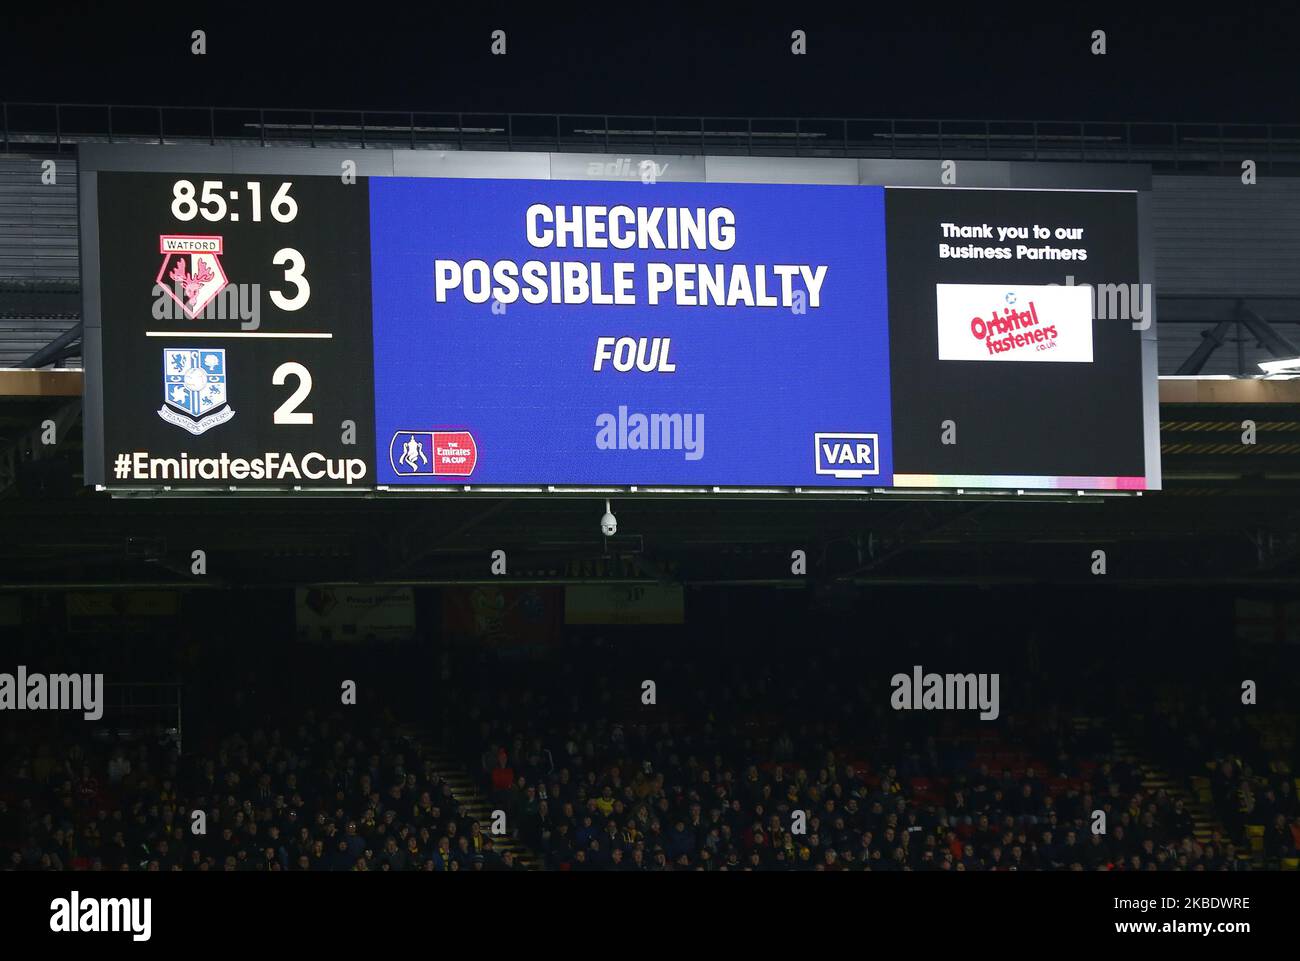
(988, 60)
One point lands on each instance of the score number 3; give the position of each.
(292, 274)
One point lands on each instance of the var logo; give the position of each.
(847, 455)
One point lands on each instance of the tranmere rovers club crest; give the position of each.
(191, 271)
(194, 388)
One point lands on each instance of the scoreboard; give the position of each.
(320, 319)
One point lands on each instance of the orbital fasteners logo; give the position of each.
(1025, 323)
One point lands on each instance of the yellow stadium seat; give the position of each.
(1291, 864)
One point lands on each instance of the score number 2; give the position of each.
(288, 413)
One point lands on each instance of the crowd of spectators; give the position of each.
(315, 796)
(772, 757)
(644, 799)
(759, 765)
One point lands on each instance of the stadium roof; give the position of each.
(1168, 147)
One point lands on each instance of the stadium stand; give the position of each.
(587, 781)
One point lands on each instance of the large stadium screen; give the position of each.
(295, 329)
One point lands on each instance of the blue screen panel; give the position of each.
(784, 382)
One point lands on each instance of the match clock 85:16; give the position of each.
(214, 203)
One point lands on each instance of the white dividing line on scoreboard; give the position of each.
(240, 333)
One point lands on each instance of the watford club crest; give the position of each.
(194, 388)
(191, 271)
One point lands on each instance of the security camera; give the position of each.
(608, 523)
